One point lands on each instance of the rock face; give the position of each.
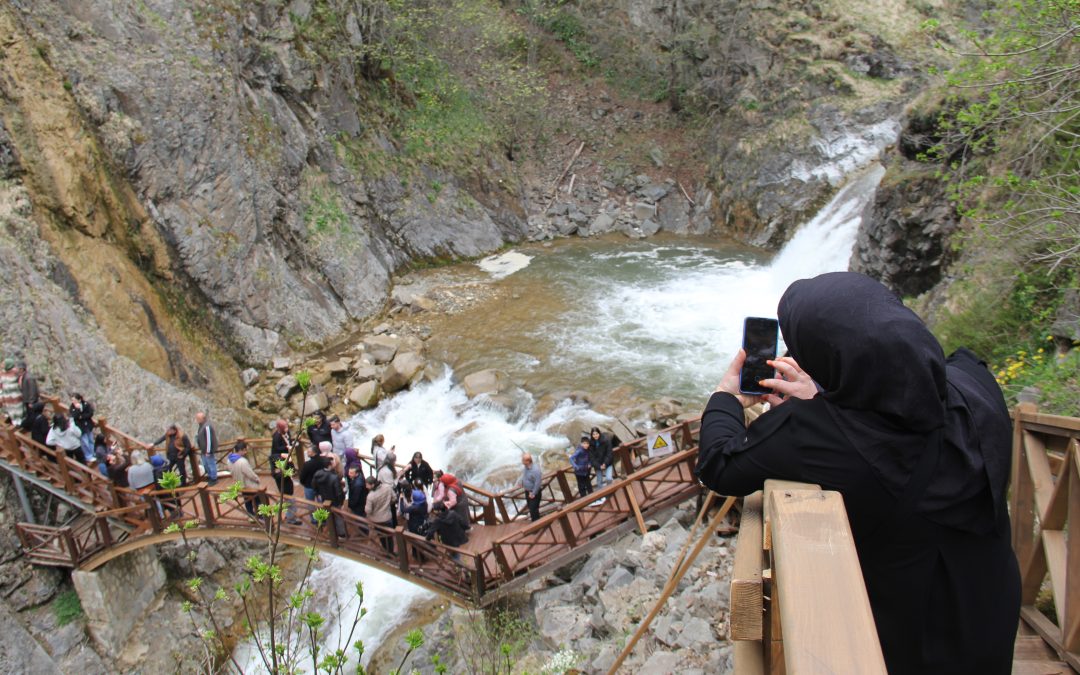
(220, 129)
(904, 238)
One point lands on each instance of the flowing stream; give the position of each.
(662, 317)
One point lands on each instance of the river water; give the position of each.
(661, 317)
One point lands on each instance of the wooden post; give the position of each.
(402, 550)
(65, 474)
(104, 532)
(501, 503)
(478, 579)
(504, 564)
(1022, 511)
(208, 507)
(746, 596)
(1070, 631)
(196, 463)
(629, 489)
(568, 530)
(626, 461)
(72, 547)
(564, 486)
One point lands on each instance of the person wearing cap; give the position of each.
(531, 481)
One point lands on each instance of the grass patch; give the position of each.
(67, 607)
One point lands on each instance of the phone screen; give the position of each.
(759, 343)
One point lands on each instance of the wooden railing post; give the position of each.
(104, 532)
(478, 579)
(568, 530)
(208, 506)
(564, 486)
(65, 473)
(501, 503)
(72, 547)
(402, 550)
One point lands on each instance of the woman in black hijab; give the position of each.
(919, 446)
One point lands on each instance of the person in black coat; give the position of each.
(449, 526)
(281, 449)
(919, 447)
(601, 456)
(357, 490)
(312, 464)
(419, 470)
(37, 423)
(320, 431)
(81, 412)
(328, 488)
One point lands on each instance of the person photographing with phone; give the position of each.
(918, 444)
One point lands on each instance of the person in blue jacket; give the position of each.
(582, 466)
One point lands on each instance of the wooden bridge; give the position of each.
(505, 550)
(798, 602)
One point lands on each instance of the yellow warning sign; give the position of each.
(660, 443)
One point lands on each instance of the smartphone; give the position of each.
(759, 342)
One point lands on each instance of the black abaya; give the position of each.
(940, 574)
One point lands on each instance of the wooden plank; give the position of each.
(1071, 625)
(1039, 467)
(1057, 511)
(749, 657)
(828, 625)
(775, 484)
(629, 488)
(1032, 648)
(1041, 668)
(1054, 546)
(1022, 488)
(746, 604)
(1050, 633)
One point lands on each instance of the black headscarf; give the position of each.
(888, 387)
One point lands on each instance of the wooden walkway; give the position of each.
(505, 549)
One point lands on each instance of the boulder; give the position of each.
(485, 382)
(654, 192)
(365, 395)
(338, 367)
(601, 224)
(644, 211)
(286, 386)
(281, 363)
(381, 348)
(561, 625)
(649, 227)
(401, 372)
(208, 560)
(249, 376)
(365, 371)
(316, 401)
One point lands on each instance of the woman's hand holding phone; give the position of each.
(792, 382)
(730, 382)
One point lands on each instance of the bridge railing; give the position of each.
(1044, 505)
(64, 546)
(798, 601)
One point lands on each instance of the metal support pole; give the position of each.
(23, 500)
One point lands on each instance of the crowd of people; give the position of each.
(424, 501)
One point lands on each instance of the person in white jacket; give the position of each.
(65, 435)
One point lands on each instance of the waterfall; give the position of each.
(663, 317)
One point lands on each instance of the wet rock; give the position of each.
(601, 224)
(381, 348)
(649, 227)
(485, 382)
(402, 371)
(365, 395)
(903, 240)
